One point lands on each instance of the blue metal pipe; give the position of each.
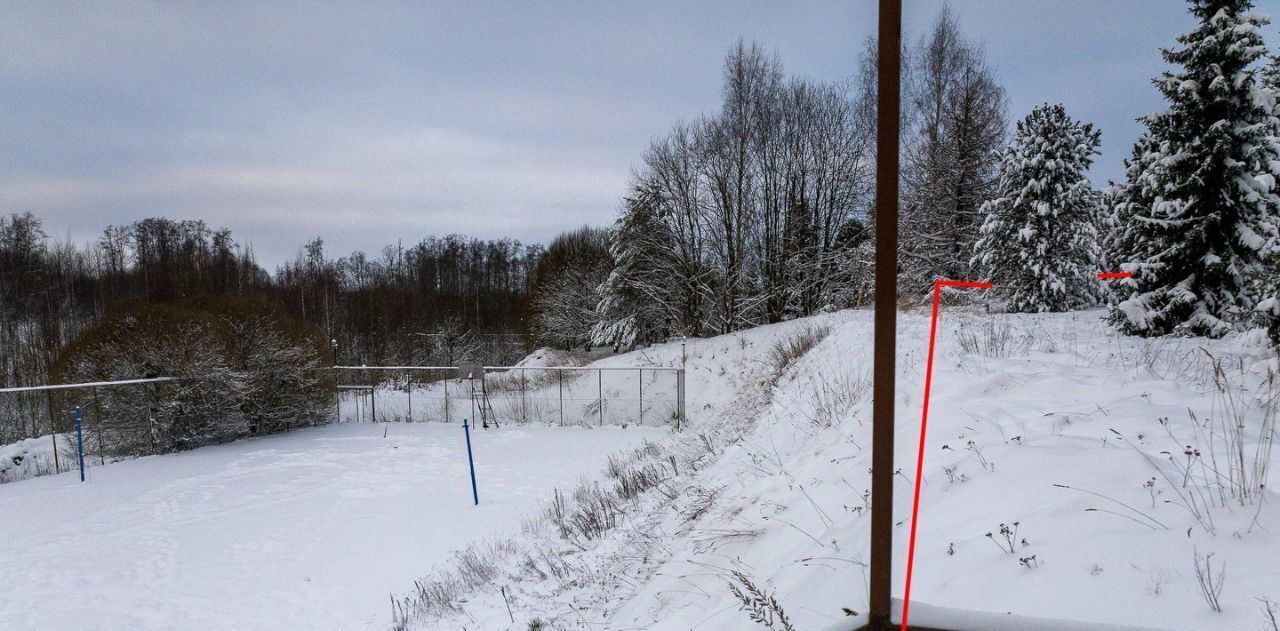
(466, 429)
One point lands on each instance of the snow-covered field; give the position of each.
(1114, 463)
(313, 529)
(1054, 426)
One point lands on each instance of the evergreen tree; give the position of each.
(634, 296)
(1199, 209)
(1039, 243)
(1266, 283)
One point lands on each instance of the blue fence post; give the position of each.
(80, 441)
(471, 463)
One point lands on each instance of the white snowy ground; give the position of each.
(769, 481)
(314, 529)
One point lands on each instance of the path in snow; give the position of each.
(308, 530)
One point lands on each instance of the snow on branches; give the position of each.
(1039, 241)
(1199, 215)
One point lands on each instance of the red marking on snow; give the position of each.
(924, 420)
(1114, 275)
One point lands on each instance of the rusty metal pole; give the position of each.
(888, 95)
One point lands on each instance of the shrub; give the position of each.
(240, 367)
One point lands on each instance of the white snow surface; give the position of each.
(769, 480)
(314, 529)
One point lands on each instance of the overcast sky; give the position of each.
(364, 123)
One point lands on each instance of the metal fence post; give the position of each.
(53, 430)
(560, 374)
(151, 418)
(446, 399)
(680, 399)
(80, 442)
(373, 398)
(524, 403)
(408, 386)
(97, 418)
(642, 396)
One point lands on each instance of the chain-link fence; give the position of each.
(38, 424)
(136, 417)
(555, 395)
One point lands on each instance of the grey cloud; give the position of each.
(365, 123)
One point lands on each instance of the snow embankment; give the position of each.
(1071, 474)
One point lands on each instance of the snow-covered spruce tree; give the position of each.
(1038, 242)
(631, 308)
(1266, 283)
(1199, 208)
(1107, 224)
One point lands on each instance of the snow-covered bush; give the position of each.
(239, 368)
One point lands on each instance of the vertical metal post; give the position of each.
(471, 463)
(600, 395)
(888, 102)
(154, 390)
(446, 399)
(680, 400)
(485, 408)
(373, 398)
(524, 404)
(560, 374)
(337, 392)
(409, 388)
(642, 396)
(53, 430)
(97, 419)
(80, 442)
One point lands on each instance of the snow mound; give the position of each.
(1055, 487)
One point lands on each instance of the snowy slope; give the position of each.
(767, 487)
(314, 529)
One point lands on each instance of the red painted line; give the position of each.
(924, 421)
(1114, 275)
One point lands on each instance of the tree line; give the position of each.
(437, 301)
(760, 211)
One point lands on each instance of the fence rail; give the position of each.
(565, 395)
